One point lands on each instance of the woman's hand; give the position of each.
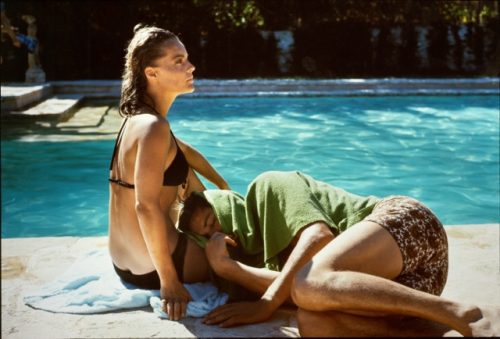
(174, 297)
(216, 251)
(240, 313)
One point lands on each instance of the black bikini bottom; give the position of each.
(151, 280)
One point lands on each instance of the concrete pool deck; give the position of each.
(474, 277)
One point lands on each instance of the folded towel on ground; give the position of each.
(91, 285)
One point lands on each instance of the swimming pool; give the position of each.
(442, 150)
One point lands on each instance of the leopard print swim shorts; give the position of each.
(421, 239)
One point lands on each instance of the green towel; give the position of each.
(280, 204)
(277, 206)
(229, 208)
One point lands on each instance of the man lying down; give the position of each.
(353, 265)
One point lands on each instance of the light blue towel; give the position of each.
(91, 285)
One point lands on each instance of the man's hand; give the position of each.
(240, 313)
(174, 297)
(216, 250)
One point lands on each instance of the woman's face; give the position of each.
(204, 222)
(173, 72)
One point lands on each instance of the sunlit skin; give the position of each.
(142, 235)
(172, 75)
(345, 290)
(260, 280)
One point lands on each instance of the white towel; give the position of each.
(91, 285)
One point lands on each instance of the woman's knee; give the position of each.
(196, 267)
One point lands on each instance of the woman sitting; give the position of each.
(151, 170)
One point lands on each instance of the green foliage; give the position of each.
(301, 13)
(232, 14)
(86, 39)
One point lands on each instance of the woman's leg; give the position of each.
(353, 274)
(196, 267)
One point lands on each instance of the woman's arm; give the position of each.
(194, 184)
(201, 165)
(152, 150)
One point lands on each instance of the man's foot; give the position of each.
(487, 324)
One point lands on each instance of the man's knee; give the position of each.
(300, 285)
(311, 283)
(307, 285)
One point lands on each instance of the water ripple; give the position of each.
(442, 150)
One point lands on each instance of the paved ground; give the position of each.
(474, 277)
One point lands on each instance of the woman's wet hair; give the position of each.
(195, 201)
(146, 46)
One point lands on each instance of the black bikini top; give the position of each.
(174, 175)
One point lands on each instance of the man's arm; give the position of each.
(254, 279)
(309, 241)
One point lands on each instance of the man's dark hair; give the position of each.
(195, 201)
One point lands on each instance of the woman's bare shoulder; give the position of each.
(147, 124)
(150, 128)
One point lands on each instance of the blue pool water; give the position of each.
(442, 150)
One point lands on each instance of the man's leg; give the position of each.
(310, 240)
(352, 274)
(259, 279)
(341, 324)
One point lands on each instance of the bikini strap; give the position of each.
(118, 140)
(179, 150)
(175, 139)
